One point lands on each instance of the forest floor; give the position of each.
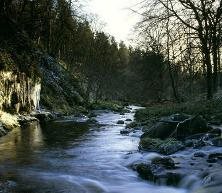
(211, 110)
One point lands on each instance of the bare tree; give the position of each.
(202, 17)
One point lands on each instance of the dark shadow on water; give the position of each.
(62, 133)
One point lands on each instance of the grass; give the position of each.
(165, 147)
(210, 110)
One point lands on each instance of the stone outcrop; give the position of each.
(19, 92)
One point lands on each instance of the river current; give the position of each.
(69, 156)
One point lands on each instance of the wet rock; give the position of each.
(216, 119)
(92, 115)
(166, 162)
(215, 155)
(43, 117)
(215, 122)
(161, 130)
(125, 131)
(216, 131)
(212, 160)
(199, 154)
(7, 186)
(211, 183)
(217, 141)
(133, 125)
(128, 120)
(166, 147)
(209, 136)
(195, 136)
(92, 121)
(120, 122)
(199, 144)
(191, 126)
(195, 143)
(189, 143)
(158, 174)
(26, 119)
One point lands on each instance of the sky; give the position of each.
(116, 16)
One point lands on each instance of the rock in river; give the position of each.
(120, 122)
(166, 162)
(161, 130)
(166, 126)
(191, 126)
(158, 174)
(166, 147)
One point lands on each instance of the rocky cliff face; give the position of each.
(23, 83)
(19, 92)
(30, 78)
(61, 91)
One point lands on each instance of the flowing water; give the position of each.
(64, 156)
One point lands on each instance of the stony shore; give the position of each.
(186, 152)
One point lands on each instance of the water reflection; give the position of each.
(62, 133)
(69, 157)
(20, 143)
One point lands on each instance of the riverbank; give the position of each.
(65, 155)
(8, 121)
(186, 142)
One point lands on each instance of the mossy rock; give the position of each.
(166, 147)
(160, 130)
(166, 162)
(158, 174)
(192, 126)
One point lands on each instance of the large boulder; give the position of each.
(166, 147)
(158, 174)
(191, 126)
(166, 127)
(44, 116)
(120, 122)
(217, 141)
(160, 130)
(166, 162)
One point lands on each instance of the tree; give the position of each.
(203, 18)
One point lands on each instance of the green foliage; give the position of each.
(210, 110)
(61, 92)
(107, 105)
(166, 147)
(6, 61)
(145, 76)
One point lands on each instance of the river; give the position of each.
(65, 156)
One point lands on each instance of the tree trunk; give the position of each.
(168, 58)
(207, 63)
(215, 73)
(215, 45)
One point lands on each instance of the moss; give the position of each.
(107, 105)
(208, 109)
(166, 147)
(133, 125)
